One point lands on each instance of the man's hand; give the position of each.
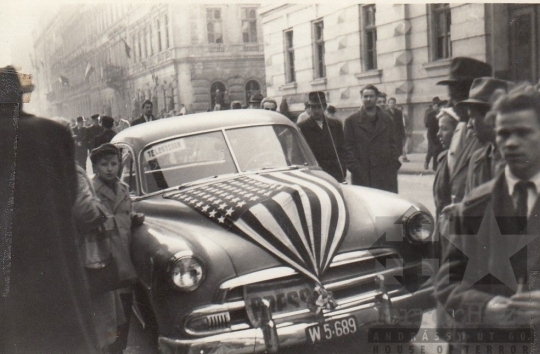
(521, 308)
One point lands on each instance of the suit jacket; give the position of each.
(320, 143)
(91, 133)
(454, 291)
(104, 138)
(141, 120)
(458, 177)
(441, 184)
(46, 306)
(399, 128)
(371, 153)
(482, 164)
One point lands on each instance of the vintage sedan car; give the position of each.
(248, 246)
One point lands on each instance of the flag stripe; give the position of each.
(342, 216)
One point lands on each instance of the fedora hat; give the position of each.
(256, 98)
(482, 89)
(466, 69)
(317, 98)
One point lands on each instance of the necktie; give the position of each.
(521, 191)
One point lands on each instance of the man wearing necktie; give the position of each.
(488, 276)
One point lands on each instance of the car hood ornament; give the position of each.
(295, 215)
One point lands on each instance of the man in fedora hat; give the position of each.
(324, 136)
(255, 101)
(108, 133)
(370, 145)
(463, 71)
(432, 125)
(486, 162)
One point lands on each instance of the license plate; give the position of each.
(283, 297)
(323, 332)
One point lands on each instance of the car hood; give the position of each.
(365, 216)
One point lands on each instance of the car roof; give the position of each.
(142, 134)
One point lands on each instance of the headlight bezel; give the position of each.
(408, 226)
(182, 257)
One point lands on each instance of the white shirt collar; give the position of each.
(512, 180)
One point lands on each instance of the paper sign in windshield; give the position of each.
(164, 149)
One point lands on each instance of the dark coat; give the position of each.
(104, 138)
(91, 133)
(81, 151)
(458, 178)
(141, 120)
(399, 128)
(441, 185)
(453, 290)
(320, 143)
(371, 153)
(483, 166)
(47, 308)
(432, 124)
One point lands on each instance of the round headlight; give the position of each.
(187, 273)
(419, 227)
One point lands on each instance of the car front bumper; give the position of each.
(366, 309)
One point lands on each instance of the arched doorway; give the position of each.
(217, 96)
(252, 87)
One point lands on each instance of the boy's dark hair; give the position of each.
(107, 122)
(370, 87)
(147, 102)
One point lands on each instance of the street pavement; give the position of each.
(415, 183)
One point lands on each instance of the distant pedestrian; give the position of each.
(330, 112)
(381, 100)
(108, 133)
(91, 132)
(284, 108)
(304, 115)
(236, 105)
(226, 100)
(269, 104)
(255, 101)
(408, 124)
(431, 123)
(370, 145)
(399, 128)
(79, 135)
(183, 110)
(325, 137)
(147, 115)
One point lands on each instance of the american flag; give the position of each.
(295, 215)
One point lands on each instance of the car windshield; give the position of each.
(187, 159)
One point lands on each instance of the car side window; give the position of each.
(128, 170)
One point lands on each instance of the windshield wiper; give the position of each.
(291, 167)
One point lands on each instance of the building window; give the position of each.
(166, 31)
(213, 26)
(139, 45)
(134, 46)
(318, 49)
(369, 31)
(158, 25)
(144, 40)
(249, 25)
(150, 40)
(289, 57)
(441, 21)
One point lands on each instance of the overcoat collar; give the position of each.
(313, 125)
(102, 189)
(365, 124)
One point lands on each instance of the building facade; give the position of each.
(403, 49)
(109, 58)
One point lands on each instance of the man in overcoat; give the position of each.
(491, 268)
(108, 133)
(44, 298)
(399, 127)
(370, 145)
(325, 137)
(79, 135)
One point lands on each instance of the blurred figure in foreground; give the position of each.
(45, 305)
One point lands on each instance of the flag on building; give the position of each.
(127, 48)
(296, 216)
(63, 80)
(89, 70)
